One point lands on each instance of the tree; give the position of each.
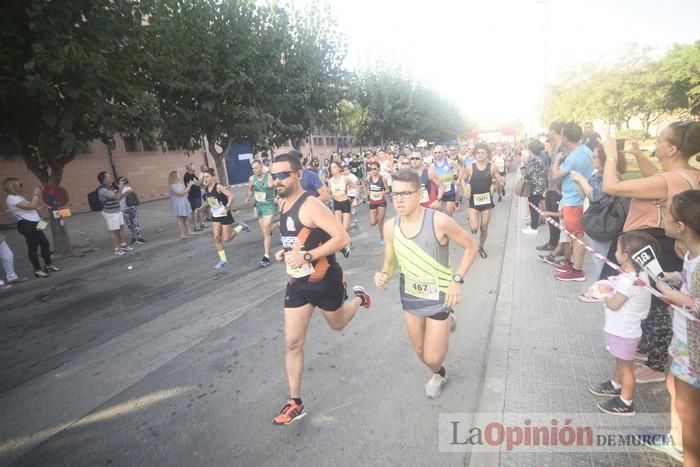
(681, 67)
(71, 72)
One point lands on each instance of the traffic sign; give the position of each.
(54, 196)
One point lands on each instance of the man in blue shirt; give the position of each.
(579, 159)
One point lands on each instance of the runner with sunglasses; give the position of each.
(476, 181)
(418, 241)
(376, 188)
(446, 170)
(311, 236)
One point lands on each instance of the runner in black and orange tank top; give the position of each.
(311, 236)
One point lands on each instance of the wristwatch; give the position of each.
(458, 279)
(307, 257)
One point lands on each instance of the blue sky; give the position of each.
(492, 57)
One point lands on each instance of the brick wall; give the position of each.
(147, 172)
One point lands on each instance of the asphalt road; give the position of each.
(174, 363)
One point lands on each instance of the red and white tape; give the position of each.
(616, 267)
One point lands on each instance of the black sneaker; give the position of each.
(264, 262)
(346, 251)
(545, 247)
(133, 240)
(140, 241)
(549, 259)
(482, 252)
(615, 406)
(605, 389)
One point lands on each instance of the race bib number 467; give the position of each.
(422, 287)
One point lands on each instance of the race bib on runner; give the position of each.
(447, 186)
(376, 195)
(303, 271)
(424, 197)
(260, 196)
(482, 199)
(217, 210)
(421, 287)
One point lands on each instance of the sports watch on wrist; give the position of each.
(458, 279)
(307, 257)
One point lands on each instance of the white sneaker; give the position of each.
(221, 264)
(433, 387)
(119, 252)
(529, 231)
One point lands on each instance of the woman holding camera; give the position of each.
(30, 225)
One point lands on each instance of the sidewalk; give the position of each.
(546, 349)
(88, 231)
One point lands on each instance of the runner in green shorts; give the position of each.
(260, 187)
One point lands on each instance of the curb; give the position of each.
(492, 389)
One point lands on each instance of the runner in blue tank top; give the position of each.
(445, 170)
(477, 189)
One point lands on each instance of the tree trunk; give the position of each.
(59, 234)
(220, 168)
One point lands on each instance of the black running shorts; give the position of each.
(328, 294)
(343, 206)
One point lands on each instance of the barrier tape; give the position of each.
(616, 267)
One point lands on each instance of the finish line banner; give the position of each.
(557, 432)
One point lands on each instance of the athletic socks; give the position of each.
(615, 384)
(222, 255)
(627, 403)
(441, 371)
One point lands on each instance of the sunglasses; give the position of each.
(416, 158)
(281, 175)
(684, 125)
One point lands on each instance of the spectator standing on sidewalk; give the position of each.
(578, 160)
(129, 204)
(8, 264)
(29, 224)
(682, 222)
(179, 205)
(194, 196)
(552, 195)
(535, 171)
(674, 147)
(111, 211)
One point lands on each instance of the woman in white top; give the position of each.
(339, 186)
(27, 221)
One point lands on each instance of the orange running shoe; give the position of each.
(289, 413)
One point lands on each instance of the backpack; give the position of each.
(94, 201)
(603, 222)
(132, 199)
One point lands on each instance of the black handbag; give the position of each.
(603, 222)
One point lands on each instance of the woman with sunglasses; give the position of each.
(376, 187)
(220, 199)
(339, 185)
(648, 197)
(476, 180)
(28, 224)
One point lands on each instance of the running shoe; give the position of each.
(140, 241)
(264, 262)
(571, 275)
(433, 388)
(549, 259)
(360, 291)
(51, 268)
(615, 406)
(17, 280)
(643, 375)
(126, 247)
(290, 413)
(529, 231)
(119, 252)
(482, 252)
(584, 297)
(563, 266)
(244, 226)
(346, 251)
(545, 247)
(605, 389)
(133, 240)
(381, 242)
(4, 286)
(221, 264)
(660, 442)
